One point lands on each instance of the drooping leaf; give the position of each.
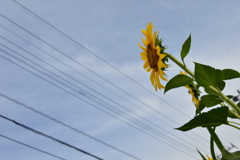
(186, 47)
(177, 81)
(211, 100)
(214, 117)
(230, 74)
(207, 75)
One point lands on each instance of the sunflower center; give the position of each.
(152, 57)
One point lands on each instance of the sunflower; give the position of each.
(192, 91)
(154, 57)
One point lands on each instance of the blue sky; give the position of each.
(93, 83)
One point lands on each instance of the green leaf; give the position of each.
(221, 85)
(178, 81)
(214, 117)
(185, 48)
(211, 100)
(230, 156)
(201, 155)
(230, 74)
(207, 75)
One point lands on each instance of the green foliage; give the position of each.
(230, 156)
(178, 81)
(221, 85)
(207, 75)
(214, 117)
(230, 74)
(185, 48)
(211, 100)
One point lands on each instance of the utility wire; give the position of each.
(68, 126)
(82, 75)
(106, 63)
(139, 129)
(68, 38)
(32, 147)
(85, 92)
(144, 126)
(50, 137)
(91, 71)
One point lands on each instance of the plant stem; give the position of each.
(212, 149)
(180, 64)
(234, 126)
(215, 138)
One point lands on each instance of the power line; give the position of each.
(141, 125)
(68, 38)
(66, 125)
(91, 71)
(77, 72)
(50, 137)
(50, 154)
(105, 62)
(84, 92)
(139, 129)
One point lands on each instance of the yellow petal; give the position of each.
(152, 77)
(144, 49)
(158, 50)
(146, 65)
(154, 37)
(162, 56)
(143, 53)
(161, 74)
(161, 64)
(149, 69)
(144, 58)
(159, 84)
(144, 42)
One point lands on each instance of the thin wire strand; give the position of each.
(139, 129)
(130, 95)
(84, 76)
(34, 148)
(66, 125)
(87, 94)
(71, 40)
(50, 137)
(78, 44)
(141, 124)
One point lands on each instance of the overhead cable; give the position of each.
(50, 137)
(24, 144)
(66, 125)
(139, 129)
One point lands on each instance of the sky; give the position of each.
(72, 70)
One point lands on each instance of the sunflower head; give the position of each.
(154, 56)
